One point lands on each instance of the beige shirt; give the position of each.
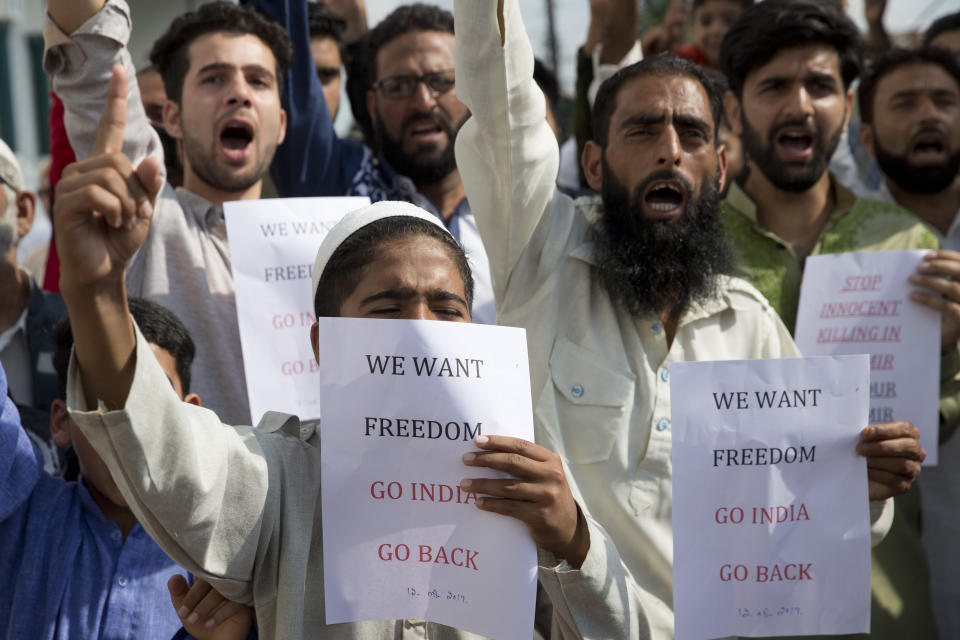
(600, 376)
(184, 263)
(236, 505)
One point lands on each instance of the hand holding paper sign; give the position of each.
(894, 456)
(940, 272)
(538, 496)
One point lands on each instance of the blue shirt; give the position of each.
(65, 570)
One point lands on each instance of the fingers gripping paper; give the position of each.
(401, 403)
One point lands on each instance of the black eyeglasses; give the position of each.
(3, 181)
(402, 87)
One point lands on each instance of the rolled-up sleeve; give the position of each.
(80, 65)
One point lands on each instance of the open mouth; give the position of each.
(425, 129)
(664, 199)
(796, 144)
(928, 146)
(236, 137)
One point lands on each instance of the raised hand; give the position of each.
(103, 206)
(206, 614)
(537, 495)
(894, 456)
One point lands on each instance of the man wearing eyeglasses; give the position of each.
(415, 112)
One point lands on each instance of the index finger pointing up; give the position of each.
(114, 118)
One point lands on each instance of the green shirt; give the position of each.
(900, 603)
(855, 224)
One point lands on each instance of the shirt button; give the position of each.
(122, 581)
(662, 424)
(664, 374)
(656, 327)
(116, 535)
(577, 391)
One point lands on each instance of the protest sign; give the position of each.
(771, 523)
(860, 303)
(273, 244)
(401, 403)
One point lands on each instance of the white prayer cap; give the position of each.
(356, 220)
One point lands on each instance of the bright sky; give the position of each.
(572, 17)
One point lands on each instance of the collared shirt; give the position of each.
(854, 224)
(184, 263)
(66, 570)
(15, 358)
(950, 240)
(599, 375)
(237, 506)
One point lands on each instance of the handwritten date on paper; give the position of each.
(436, 594)
(766, 612)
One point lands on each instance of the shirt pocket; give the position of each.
(592, 401)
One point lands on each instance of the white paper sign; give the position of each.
(860, 303)
(273, 245)
(771, 523)
(401, 403)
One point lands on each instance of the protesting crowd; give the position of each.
(663, 214)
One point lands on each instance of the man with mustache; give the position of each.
(614, 289)
(910, 107)
(222, 67)
(790, 64)
(415, 114)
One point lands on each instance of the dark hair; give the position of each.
(744, 4)
(158, 325)
(325, 22)
(546, 79)
(359, 64)
(404, 19)
(169, 52)
(663, 65)
(943, 24)
(893, 60)
(765, 29)
(345, 268)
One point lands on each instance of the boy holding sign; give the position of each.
(239, 505)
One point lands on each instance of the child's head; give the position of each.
(174, 350)
(711, 21)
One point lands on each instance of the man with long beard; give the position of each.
(612, 291)
(910, 106)
(790, 64)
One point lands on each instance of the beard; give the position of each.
(647, 266)
(782, 176)
(926, 179)
(422, 166)
(203, 163)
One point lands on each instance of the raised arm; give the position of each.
(312, 161)
(506, 152)
(175, 464)
(84, 40)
